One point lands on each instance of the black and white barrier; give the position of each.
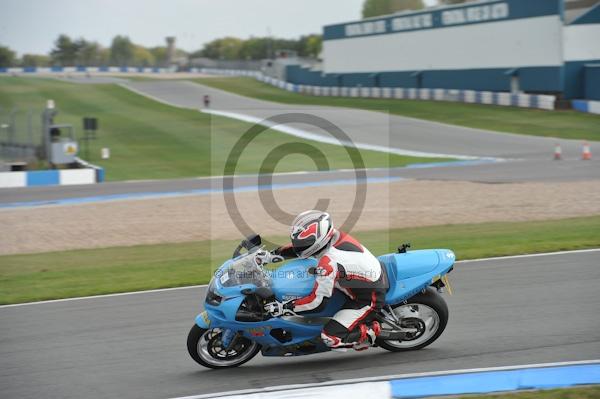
(466, 96)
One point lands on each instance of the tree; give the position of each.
(121, 51)
(227, 48)
(103, 56)
(310, 46)
(258, 48)
(255, 48)
(35, 60)
(160, 55)
(64, 52)
(142, 57)
(374, 8)
(7, 57)
(88, 53)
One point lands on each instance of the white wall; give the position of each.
(513, 43)
(13, 179)
(582, 42)
(77, 176)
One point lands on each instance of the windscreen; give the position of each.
(244, 271)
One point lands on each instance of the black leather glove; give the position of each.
(277, 309)
(264, 257)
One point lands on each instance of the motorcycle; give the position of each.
(234, 326)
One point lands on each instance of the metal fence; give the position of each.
(20, 135)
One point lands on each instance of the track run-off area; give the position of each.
(504, 311)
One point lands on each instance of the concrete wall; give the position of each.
(51, 177)
(510, 44)
(498, 34)
(581, 47)
(591, 78)
(476, 46)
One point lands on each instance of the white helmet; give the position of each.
(311, 231)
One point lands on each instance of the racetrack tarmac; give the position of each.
(504, 312)
(361, 126)
(503, 172)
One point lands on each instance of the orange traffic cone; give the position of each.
(557, 152)
(587, 153)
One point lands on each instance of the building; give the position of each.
(530, 46)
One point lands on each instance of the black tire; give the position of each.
(435, 301)
(192, 344)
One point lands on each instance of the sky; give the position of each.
(31, 26)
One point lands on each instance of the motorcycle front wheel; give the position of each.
(205, 347)
(426, 314)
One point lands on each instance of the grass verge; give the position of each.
(34, 277)
(591, 392)
(560, 124)
(150, 140)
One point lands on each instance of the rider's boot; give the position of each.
(368, 336)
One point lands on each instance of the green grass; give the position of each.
(150, 140)
(560, 124)
(34, 277)
(588, 392)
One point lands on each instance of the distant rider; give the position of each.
(343, 264)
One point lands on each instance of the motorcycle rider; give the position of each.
(343, 264)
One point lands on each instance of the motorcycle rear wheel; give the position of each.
(203, 347)
(427, 312)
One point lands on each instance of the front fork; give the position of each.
(227, 338)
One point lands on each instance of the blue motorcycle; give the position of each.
(234, 326)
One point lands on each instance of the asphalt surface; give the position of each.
(503, 172)
(503, 312)
(366, 126)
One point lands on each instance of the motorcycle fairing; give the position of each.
(408, 274)
(223, 316)
(411, 272)
(292, 280)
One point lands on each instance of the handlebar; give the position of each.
(249, 243)
(237, 251)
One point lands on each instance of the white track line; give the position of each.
(576, 251)
(387, 378)
(579, 251)
(104, 296)
(332, 140)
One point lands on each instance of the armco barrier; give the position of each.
(466, 96)
(51, 177)
(592, 107)
(436, 384)
(84, 69)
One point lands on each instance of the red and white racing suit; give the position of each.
(349, 267)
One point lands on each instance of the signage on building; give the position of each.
(487, 12)
(445, 17)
